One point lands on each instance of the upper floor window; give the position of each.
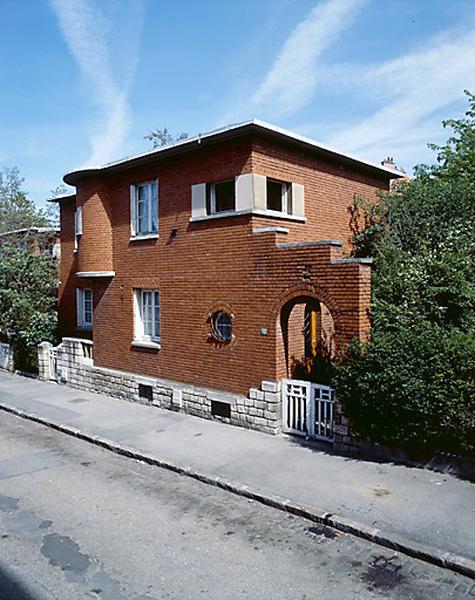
(220, 197)
(77, 226)
(147, 315)
(78, 221)
(84, 306)
(279, 196)
(248, 193)
(144, 208)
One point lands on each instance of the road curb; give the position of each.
(447, 560)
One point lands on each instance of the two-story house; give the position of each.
(205, 270)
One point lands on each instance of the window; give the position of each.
(222, 326)
(77, 227)
(144, 208)
(220, 197)
(147, 315)
(279, 196)
(78, 221)
(84, 306)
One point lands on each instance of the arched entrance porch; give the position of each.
(307, 339)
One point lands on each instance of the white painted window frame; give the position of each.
(134, 200)
(140, 338)
(82, 323)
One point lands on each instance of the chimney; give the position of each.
(388, 163)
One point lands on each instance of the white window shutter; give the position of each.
(138, 324)
(198, 200)
(79, 306)
(298, 200)
(133, 218)
(78, 221)
(155, 202)
(244, 191)
(260, 191)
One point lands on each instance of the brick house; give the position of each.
(205, 271)
(36, 240)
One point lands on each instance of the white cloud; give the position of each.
(414, 88)
(90, 36)
(291, 81)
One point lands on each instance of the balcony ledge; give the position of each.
(95, 274)
(146, 344)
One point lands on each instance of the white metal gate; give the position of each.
(53, 364)
(308, 409)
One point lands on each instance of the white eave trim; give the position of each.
(352, 261)
(95, 274)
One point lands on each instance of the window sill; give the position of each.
(146, 344)
(274, 214)
(145, 236)
(271, 214)
(84, 327)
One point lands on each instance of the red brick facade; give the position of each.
(222, 263)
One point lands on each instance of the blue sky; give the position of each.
(82, 81)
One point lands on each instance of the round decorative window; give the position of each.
(222, 326)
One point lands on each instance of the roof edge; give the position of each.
(228, 131)
(64, 198)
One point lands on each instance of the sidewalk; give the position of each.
(422, 509)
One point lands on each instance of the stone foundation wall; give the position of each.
(343, 439)
(73, 365)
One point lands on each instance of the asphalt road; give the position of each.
(79, 522)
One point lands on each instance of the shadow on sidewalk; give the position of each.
(461, 467)
(13, 589)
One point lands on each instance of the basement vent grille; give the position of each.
(220, 409)
(145, 392)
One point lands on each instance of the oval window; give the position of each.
(222, 326)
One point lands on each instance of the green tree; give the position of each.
(163, 137)
(413, 383)
(17, 211)
(27, 303)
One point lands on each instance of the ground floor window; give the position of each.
(147, 315)
(84, 307)
(222, 326)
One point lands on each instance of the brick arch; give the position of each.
(282, 312)
(300, 290)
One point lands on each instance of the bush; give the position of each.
(412, 386)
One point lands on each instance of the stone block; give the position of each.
(341, 430)
(272, 397)
(270, 386)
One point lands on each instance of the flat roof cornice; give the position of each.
(253, 126)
